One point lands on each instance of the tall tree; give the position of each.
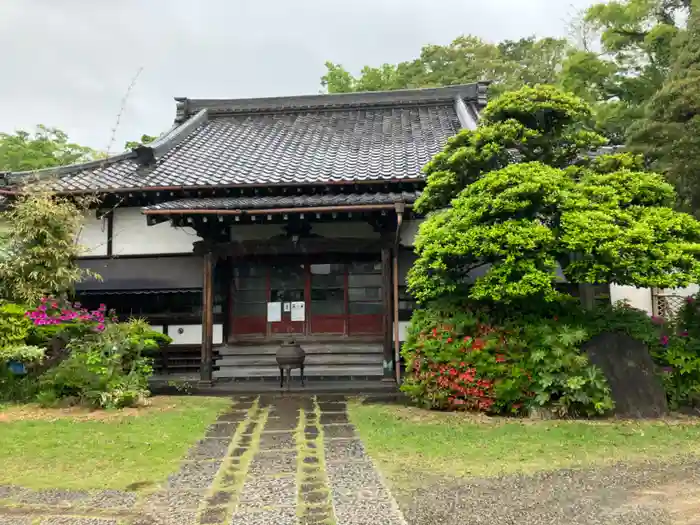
(521, 195)
(45, 147)
(669, 135)
(509, 65)
(636, 41)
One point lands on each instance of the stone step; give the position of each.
(311, 359)
(310, 371)
(310, 348)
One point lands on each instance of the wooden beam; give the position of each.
(207, 364)
(386, 302)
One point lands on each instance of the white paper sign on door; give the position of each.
(274, 312)
(298, 311)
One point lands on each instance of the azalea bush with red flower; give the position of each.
(58, 317)
(456, 359)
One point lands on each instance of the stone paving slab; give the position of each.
(212, 448)
(345, 450)
(277, 441)
(282, 462)
(16, 520)
(175, 499)
(194, 475)
(53, 497)
(269, 492)
(74, 520)
(244, 516)
(339, 431)
(112, 499)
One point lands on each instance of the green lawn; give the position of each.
(408, 441)
(100, 450)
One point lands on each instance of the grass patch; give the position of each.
(79, 449)
(407, 442)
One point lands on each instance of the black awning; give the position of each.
(143, 274)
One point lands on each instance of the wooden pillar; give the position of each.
(207, 363)
(395, 317)
(387, 320)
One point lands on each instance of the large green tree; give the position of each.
(628, 62)
(669, 135)
(509, 65)
(45, 147)
(524, 195)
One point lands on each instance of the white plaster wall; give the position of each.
(639, 298)
(192, 334)
(682, 292)
(132, 236)
(92, 236)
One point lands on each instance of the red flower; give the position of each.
(434, 332)
(555, 318)
(500, 358)
(449, 339)
(467, 339)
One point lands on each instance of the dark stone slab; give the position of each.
(311, 444)
(280, 424)
(219, 498)
(636, 388)
(238, 452)
(332, 418)
(212, 448)
(240, 404)
(332, 406)
(194, 475)
(221, 430)
(311, 431)
(311, 469)
(230, 480)
(277, 441)
(269, 463)
(311, 460)
(232, 417)
(339, 431)
(245, 441)
(310, 487)
(213, 515)
(331, 398)
(53, 497)
(316, 497)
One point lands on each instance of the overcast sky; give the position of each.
(69, 63)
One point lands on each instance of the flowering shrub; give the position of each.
(106, 368)
(57, 317)
(460, 361)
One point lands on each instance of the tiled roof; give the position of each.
(284, 141)
(297, 201)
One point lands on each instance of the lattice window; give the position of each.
(667, 304)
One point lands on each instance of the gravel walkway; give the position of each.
(268, 461)
(646, 494)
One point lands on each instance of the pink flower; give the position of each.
(664, 340)
(684, 334)
(690, 300)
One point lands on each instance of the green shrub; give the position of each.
(456, 359)
(14, 324)
(107, 369)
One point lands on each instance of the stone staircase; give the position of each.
(323, 361)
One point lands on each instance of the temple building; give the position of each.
(253, 221)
